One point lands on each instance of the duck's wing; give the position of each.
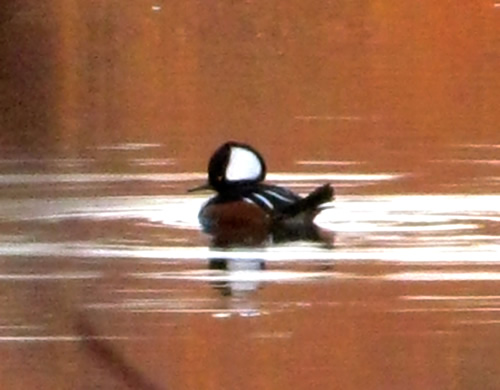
(274, 199)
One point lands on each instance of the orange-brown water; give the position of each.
(110, 111)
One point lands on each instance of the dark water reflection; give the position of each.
(109, 114)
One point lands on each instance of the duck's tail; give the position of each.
(310, 203)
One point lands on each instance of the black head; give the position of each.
(235, 164)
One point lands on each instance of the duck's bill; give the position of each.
(203, 187)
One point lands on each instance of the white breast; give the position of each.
(243, 165)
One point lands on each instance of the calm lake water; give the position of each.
(111, 112)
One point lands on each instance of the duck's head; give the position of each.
(232, 165)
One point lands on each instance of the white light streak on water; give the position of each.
(348, 118)
(408, 254)
(54, 276)
(31, 339)
(443, 276)
(412, 212)
(165, 306)
(450, 310)
(10, 179)
(240, 276)
(450, 297)
(480, 146)
(479, 322)
(327, 162)
(374, 228)
(146, 162)
(174, 211)
(331, 177)
(129, 146)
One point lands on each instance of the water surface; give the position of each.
(107, 280)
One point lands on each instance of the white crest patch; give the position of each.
(243, 165)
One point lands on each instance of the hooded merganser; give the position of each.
(236, 171)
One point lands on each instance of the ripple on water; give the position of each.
(425, 228)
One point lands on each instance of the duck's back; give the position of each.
(273, 199)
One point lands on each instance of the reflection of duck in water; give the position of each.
(246, 211)
(238, 276)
